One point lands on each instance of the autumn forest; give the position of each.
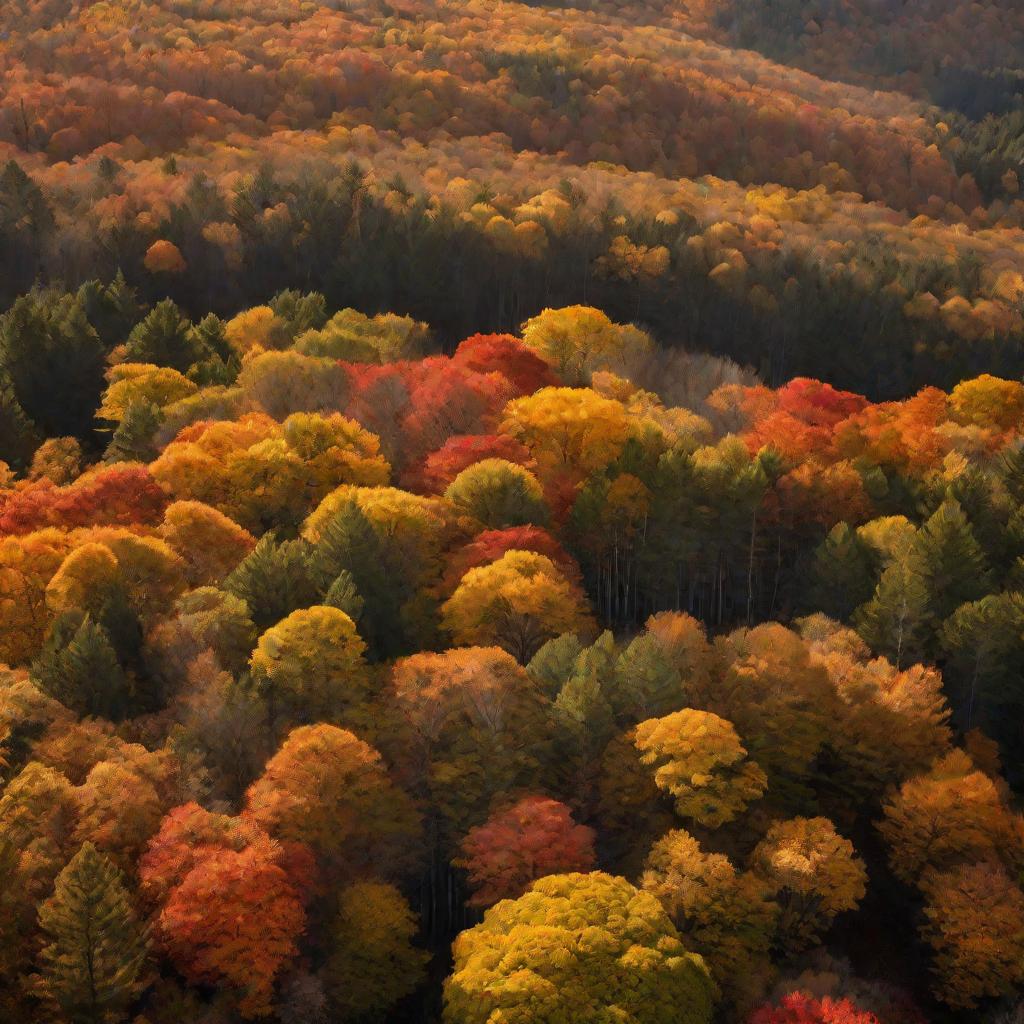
(511, 513)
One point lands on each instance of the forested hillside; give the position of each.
(511, 513)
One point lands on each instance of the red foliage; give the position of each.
(231, 900)
(115, 496)
(490, 545)
(816, 403)
(797, 1008)
(535, 837)
(507, 355)
(442, 466)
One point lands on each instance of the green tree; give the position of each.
(952, 564)
(349, 544)
(896, 621)
(165, 338)
(274, 579)
(79, 667)
(843, 573)
(96, 948)
(133, 438)
(498, 494)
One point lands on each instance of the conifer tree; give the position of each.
(133, 438)
(165, 337)
(79, 667)
(274, 580)
(18, 437)
(343, 594)
(349, 544)
(91, 967)
(953, 566)
(896, 621)
(842, 573)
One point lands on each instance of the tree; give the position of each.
(372, 964)
(843, 573)
(577, 340)
(697, 758)
(331, 792)
(953, 566)
(274, 579)
(80, 669)
(813, 873)
(568, 430)
(210, 544)
(975, 925)
(164, 338)
(577, 947)
(473, 725)
(507, 355)
(90, 968)
(798, 1008)
(897, 620)
(309, 667)
(951, 814)
(727, 917)
(498, 494)
(517, 602)
(534, 837)
(234, 921)
(229, 902)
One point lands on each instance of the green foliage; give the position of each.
(274, 579)
(91, 966)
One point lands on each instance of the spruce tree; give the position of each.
(274, 580)
(350, 544)
(953, 567)
(91, 967)
(133, 439)
(164, 337)
(79, 667)
(343, 594)
(18, 437)
(897, 621)
(843, 573)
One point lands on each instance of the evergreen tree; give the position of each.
(897, 620)
(274, 580)
(343, 594)
(166, 338)
(91, 967)
(18, 437)
(113, 309)
(552, 665)
(55, 362)
(79, 667)
(350, 544)
(953, 567)
(133, 439)
(843, 573)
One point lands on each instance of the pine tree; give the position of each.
(343, 594)
(843, 573)
(274, 580)
(92, 965)
(953, 566)
(133, 439)
(79, 667)
(165, 337)
(350, 544)
(18, 437)
(897, 621)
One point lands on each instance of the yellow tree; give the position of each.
(813, 873)
(577, 947)
(697, 758)
(518, 602)
(310, 668)
(727, 916)
(577, 340)
(974, 922)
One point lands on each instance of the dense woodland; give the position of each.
(511, 513)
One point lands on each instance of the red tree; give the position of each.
(533, 838)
